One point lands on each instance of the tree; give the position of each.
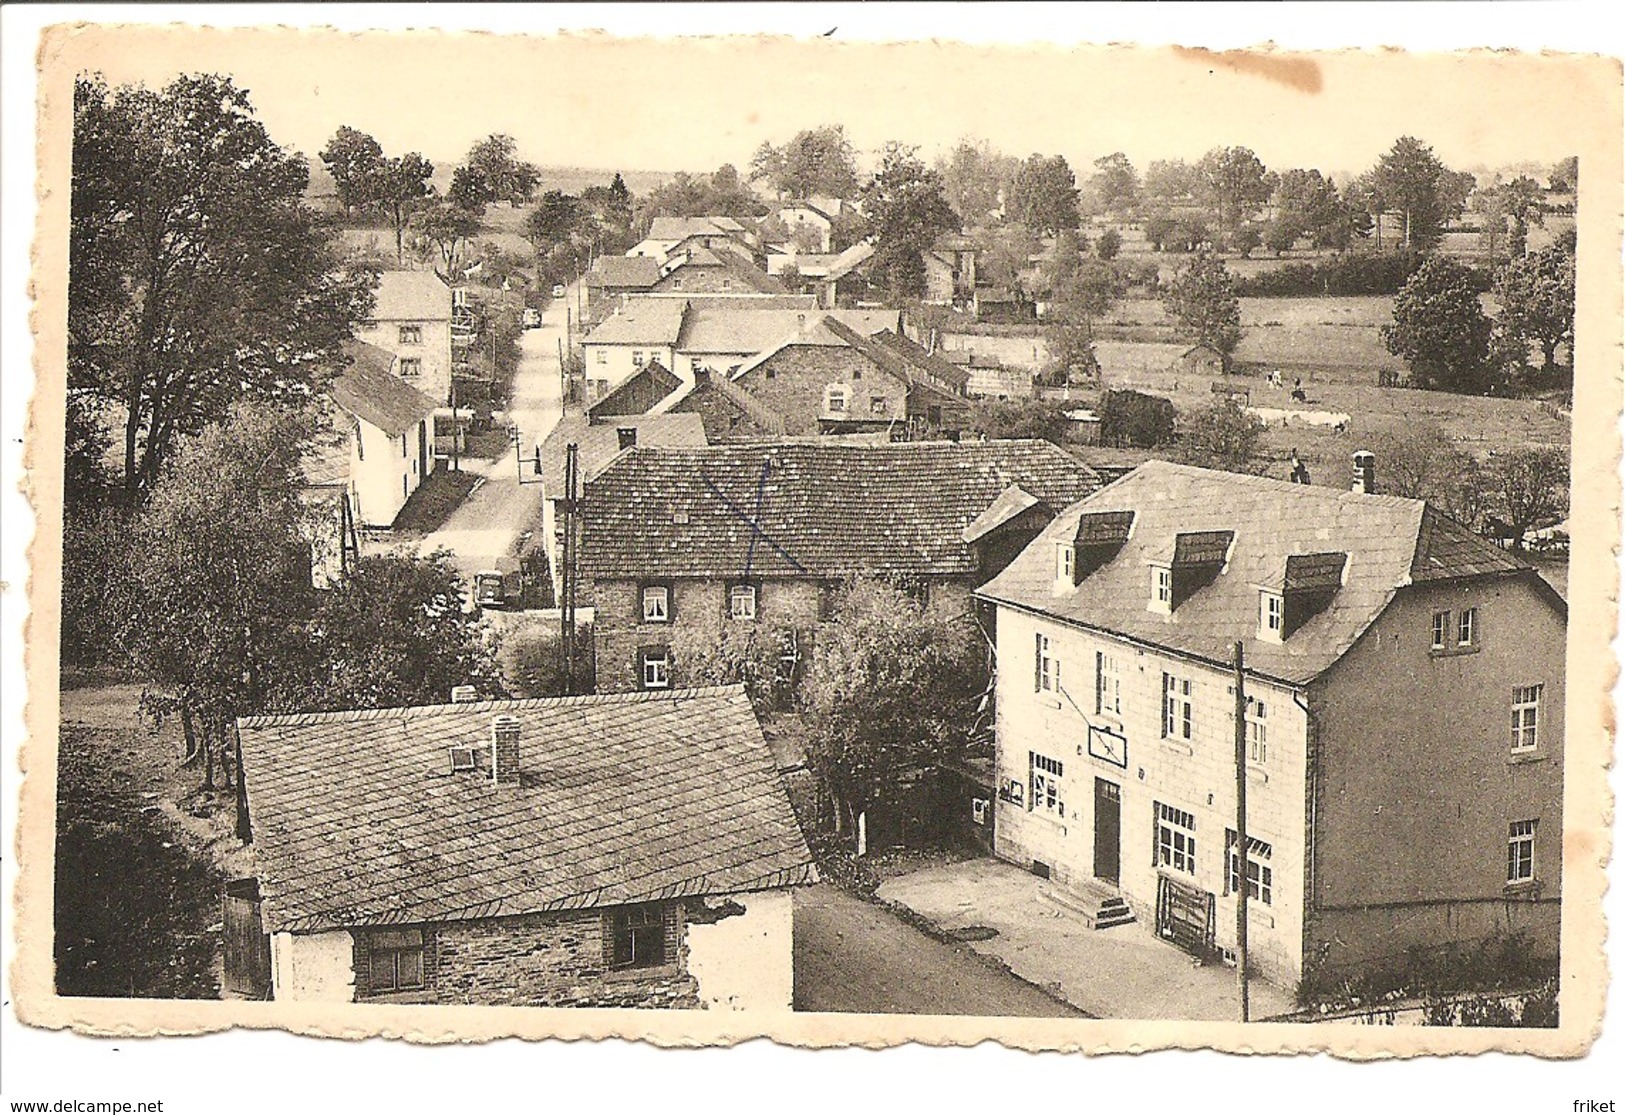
(1246, 240)
(818, 161)
(892, 687)
(1536, 293)
(1308, 203)
(1565, 175)
(1510, 207)
(1410, 178)
(197, 275)
(402, 183)
(493, 172)
(1233, 183)
(1365, 195)
(1530, 488)
(1134, 419)
(1109, 244)
(447, 226)
(904, 211)
(558, 216)
(975, 178)
(1044, 195)
(1419, 461)
(394, 634)
(1086, 293)
(1021, 418)
(353, 158)
(1171, 180)
(1220, 435)
(611, 209)
(1202, 300)
(764, 658)
(1439, 328)
(1115, 186)
(720, 193)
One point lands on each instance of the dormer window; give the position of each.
(1271, 616)
(1162, 589)
(1066, 556)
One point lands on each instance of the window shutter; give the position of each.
(1038, 663)
(606, 932)
(1156, 810)
(671, 937)
(1167, 708)
(1100, 682)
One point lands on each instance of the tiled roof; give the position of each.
(359, 820)
(624, 272)
(681, 228)
(412, 296)
(810, 508)
(850, 260)
(1385, 538)
(373, 393)
(733, 330)
(929, 364)
(599, 444)
(638, 393)
(640, 321)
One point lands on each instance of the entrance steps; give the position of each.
(1097, 903)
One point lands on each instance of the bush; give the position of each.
(1347, 274)
(1021, 418)
(1130, 418)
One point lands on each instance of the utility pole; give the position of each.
(1241, 833)
(570, 505)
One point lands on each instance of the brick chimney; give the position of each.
(1365, 473)
(505, 749)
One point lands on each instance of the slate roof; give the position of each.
(681, 228)
(1011, 502)
(1388, 540)
(624, 272)
(599, 444)
(757, 280)
(412, 296)
(733, 330)
(850, 260)
(929, 363)
(373, 393)
(638, 393)
(810, 509)
(359, 820)
(640, 321)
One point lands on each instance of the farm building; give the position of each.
(1201, 360)
(1404, 685)
(630, 850)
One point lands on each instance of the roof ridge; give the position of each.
(511, 704)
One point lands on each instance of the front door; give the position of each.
(1108, 829)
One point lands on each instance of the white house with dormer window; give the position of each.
(1403, 721)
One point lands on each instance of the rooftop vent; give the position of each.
(505, 749)
(462, 758)
(464, 694)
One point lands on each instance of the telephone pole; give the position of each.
(570, 505)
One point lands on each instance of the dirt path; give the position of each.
(851, 955)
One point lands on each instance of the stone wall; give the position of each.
(792, 382)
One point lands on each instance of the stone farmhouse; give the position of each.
(634, 850)
(679, 543)
(412, 322)
(1404, 699)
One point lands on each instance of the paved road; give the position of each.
(483, 531)
(851, 955)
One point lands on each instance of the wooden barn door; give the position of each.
(247, 949)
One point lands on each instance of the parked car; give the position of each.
(490, 589)
(532, 319)
(558, 290)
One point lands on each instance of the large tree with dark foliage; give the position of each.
(1536, 292)
(1202, 299)
(1044, 195)
(492, 172)
(352, 157)
(367, 179)
(905, 210)
(1440, 329)
(197, 275)
(1233, 183)
(1411, 179)
(818, 161)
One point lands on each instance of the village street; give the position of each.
(483, 530)
(854, 956)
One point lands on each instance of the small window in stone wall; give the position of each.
(642, 936)
(394, 960)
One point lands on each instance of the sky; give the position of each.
(591, 100)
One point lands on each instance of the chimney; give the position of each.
(628, 436)
(464, 694)
(1365, 473)
(505, 749)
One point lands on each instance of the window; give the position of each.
(877, 404)
(1257, 731)
(411, 367)
(742, 602)
(394, 960)
(1271, 616)
(637, 358)
(1467, 628)
(637, 937)
(411, 334)
(1048, 667)
(656, 604)
(694, 364)
(1441, 629)
(655, 667)
(857, 374)
(1176, 839)
(404, 450)
(1520, 852)
(727, 284)
(835, 398)
(1260, 882)
(677, 283)
(1108, 685)
(1162, 589)
(1526, 717)
(1044, 781)
(600, 356)
(1176, 707)
(1065, 556)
